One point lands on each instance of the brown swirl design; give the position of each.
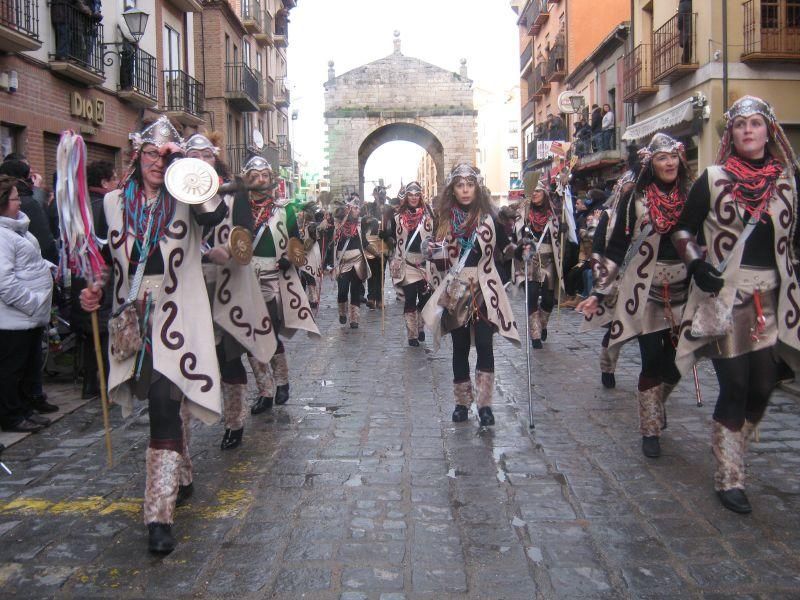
(223, 233)
(188, 364)
(632, 304)
(115, 238)
(686, 331)
(782, 245)
(120, 279)
(494, 302)
(174, 261)
(266, 327)
(723, 243)
(785, 216)
(725, 210)
(223, 293)
(646, 250)
(283, 238)
(793, 314)
(177, 230)
(171, 339)
(615, 330)
(236, 313)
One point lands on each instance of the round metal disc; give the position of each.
(240, 245)
(191, 180)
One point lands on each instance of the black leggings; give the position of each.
(166, 426)
(230, 367)
(375, 282)
(483, 345)
(416, 296)
(745, 385)
(351, 282)
(658, 360)
(535, 290)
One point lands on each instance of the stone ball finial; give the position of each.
(330, 63)
(396, 41)
(397, 33)
(463, 62)
(463, 70)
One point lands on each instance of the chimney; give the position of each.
(331, 71)
(397, 42)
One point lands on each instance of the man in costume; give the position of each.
(310, 225)
(153, 242)
(351, 268)
(274, 224)
(377, 226)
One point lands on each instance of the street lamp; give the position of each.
(578, 102)
(136, 22)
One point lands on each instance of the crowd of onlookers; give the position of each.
(594, 131)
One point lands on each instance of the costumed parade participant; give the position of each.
(377, 226)
(153, 241)
(413, 227)
(310, 224)
(350, 269)
(275, 225)
(743, 302)
(242, 322)
(651, 279)
(471, 302)
(537, 228)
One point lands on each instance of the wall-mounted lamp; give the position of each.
(136, 21)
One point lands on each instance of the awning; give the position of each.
(680, 113)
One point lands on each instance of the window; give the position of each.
(246, 53)
(227, 48)
(513, 153)
(258, 62)
(513, 127)
(513, 175)
(172, 49)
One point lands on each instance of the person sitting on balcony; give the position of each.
(608, 127)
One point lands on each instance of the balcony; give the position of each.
(541, 12)
(556, 64)
(183, 98)
(674, 48)
(525, 58)
(637, 81)
(265, 35)
(774, 33)
(599, 153)
(267, 101)
(282, 94)
(138, 77)
(188, 6)
(284, 151)
(78, 51)
(281, 37)
(252, 16)
(238, 155)
(540, 84)
(527, 112)
(242, 87)
(19, 25)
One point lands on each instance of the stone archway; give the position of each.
(403, 131)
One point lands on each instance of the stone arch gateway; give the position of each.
(397, 98)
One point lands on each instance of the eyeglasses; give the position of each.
(152, 155)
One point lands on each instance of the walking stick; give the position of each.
(528, 347)
(561, 278)
(101, 372)
(380, 284)
(697, 386)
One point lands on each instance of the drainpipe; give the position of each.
(724, 54)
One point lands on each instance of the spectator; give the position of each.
(583, 135)
(608, 126)
(558, 130)
(597, 128)
(26, 288)
(685, 30)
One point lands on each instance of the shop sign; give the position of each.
(91, 109)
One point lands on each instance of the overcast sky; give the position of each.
(356, 32)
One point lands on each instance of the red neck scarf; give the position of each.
(664, 208)
(537, 218)
(262, 210)
(411, 217)
(347, 229)
(752, 186)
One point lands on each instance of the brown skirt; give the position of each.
(467, 305)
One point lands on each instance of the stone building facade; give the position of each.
(397, 98)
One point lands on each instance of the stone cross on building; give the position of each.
(397, 98)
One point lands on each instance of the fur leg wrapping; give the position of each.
(161, 488)
(411, 325)
(234, 405)
(651, 411)
(280, 368)
(264, 380)
(343, 309)
(420, 323)
(185, 475)
(544, 318)
(462, 391)
(353, 313)
(534, 325)
(608, 364)
(728, 448)
(484, 385)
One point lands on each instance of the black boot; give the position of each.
(282, 394)
(184, 493)
(413, 343)
(537, 344)
(90, 389)
(342, 319)
(41, 405)
(544, 334)
(736, 500)
(353, 325)
(231, 439)
(421, 336)
(486, 416)
(161, 540)
(608, 379)
(460, 414)
(651, 446)
(262, 404)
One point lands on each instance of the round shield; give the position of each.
(296, 252)
(240, 245)
(191, 180)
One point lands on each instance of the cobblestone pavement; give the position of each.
(362, 488)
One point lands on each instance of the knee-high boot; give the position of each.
(353, 316)
(280, 370)
(651, 412)
(535, 329)
(729, 447)
(412, 330)
(462, 393)
(185, 473)
(234, 410)
(484, 385)
(342, 312)
(544, 318)
(160, 494)
(265, 383)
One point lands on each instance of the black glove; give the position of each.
(284, 264)
(706, 276)
(312, 231)
(384, 235)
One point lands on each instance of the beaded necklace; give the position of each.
(459, 230)
(262, 210)
(664, 208)
(410, 218)
(137, 210)
(751, 187)
(538, 217)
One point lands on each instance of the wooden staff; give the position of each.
(561, 275)
(101, 371)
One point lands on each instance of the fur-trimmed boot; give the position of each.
(342, 312)
(728, 447)
(666, 390)
(412, 332)
(234, 412)
(312, 291)
(186, 473)
(608, 365)
(462, 392)
(280, 370)
(265, 384)
(544, 319)
(420, 327)
(651, 412)
(160, 494)
(484, 386)
(535, 329)
(353, 316)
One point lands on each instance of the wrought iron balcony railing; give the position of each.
(674, 48)
(78, 38)
(242, 87)
(637, 78)
(183, 93)
(138, 72)
(773, 33)
(21, 16)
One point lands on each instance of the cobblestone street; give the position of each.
(362, 488)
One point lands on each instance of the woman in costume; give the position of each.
(745, 206)
(651, 280)
(154, 241)
(413, 227)
(350, 261)
(242, 322)
(471, 301)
